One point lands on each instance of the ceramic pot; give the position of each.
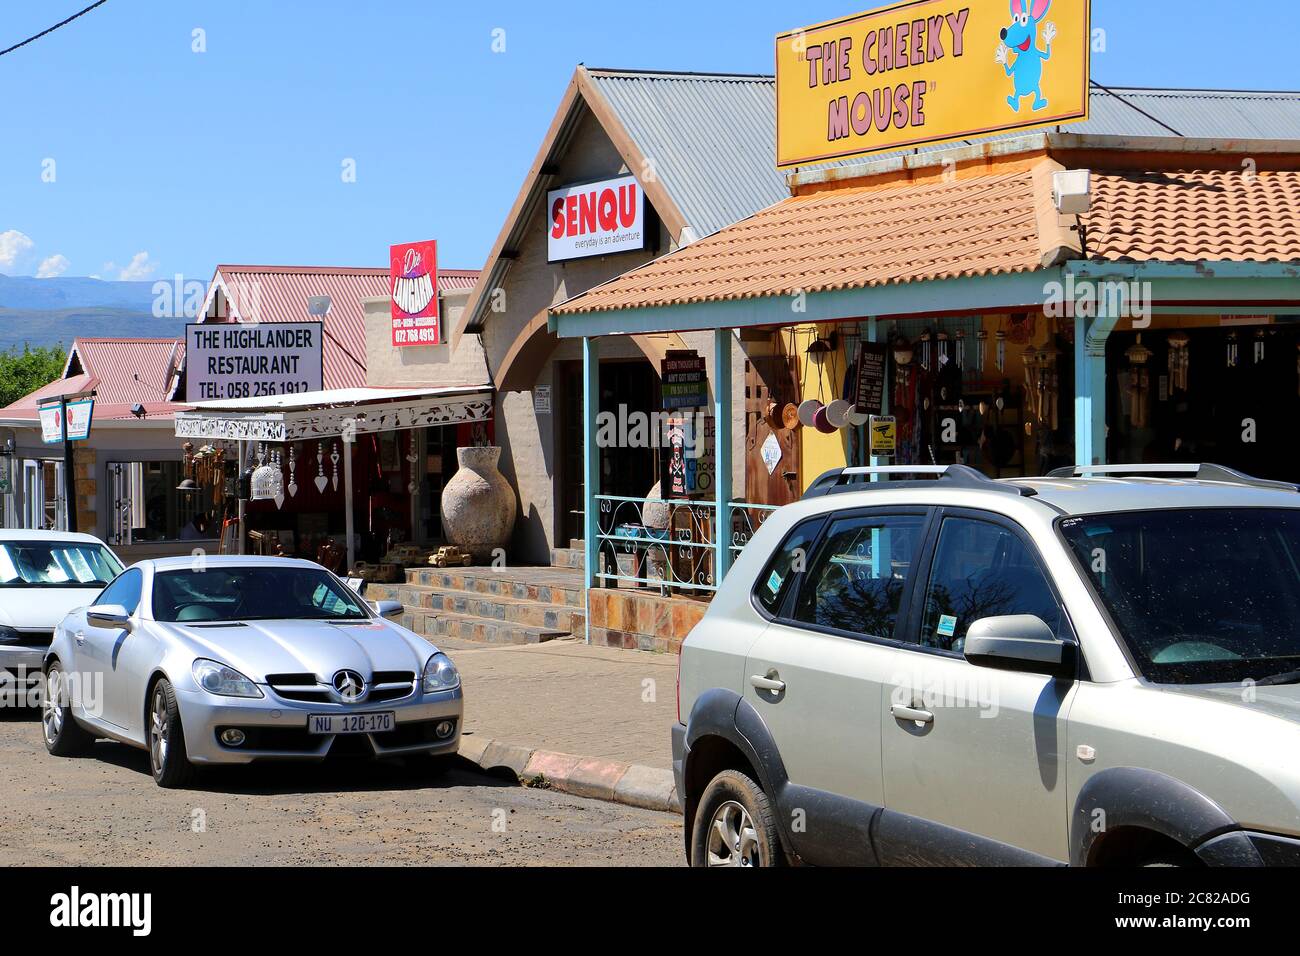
(478, 504)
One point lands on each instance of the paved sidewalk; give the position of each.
(564, 696)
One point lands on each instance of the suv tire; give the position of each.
(735, 825)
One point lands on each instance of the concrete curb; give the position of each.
(636, 786)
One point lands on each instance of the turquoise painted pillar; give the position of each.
(722, 451)
(590, 470)
(1090, 383)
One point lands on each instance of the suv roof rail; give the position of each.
(842, 480)
(1200, 472)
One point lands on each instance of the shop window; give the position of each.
(144, 504)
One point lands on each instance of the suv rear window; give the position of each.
(855, 582)
(786, 564)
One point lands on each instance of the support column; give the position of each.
(722, 451)
(873, 335)
(1090, 382)
(349, 437)
(590, 470)
(241, 506)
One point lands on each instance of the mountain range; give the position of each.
(43, 312)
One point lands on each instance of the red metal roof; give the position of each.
(123, 372)
(280, 294)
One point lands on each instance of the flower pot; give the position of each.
(478, 504)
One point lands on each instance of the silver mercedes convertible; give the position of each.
(226, 659)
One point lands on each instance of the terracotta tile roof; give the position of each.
(280, 294)
(850, 237)
(1211, 215)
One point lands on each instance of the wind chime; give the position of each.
(944, 357)
(1180, 360)
(961, 349)
(1232, 350)
(1001, 358)
(1139, 382)
(1259, 346)
(1042, 382)
(981, 350)
(925, 350)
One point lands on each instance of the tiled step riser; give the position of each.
(529, 614)
(485, 582)
(478, 630)
(568, 558)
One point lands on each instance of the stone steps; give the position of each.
(568, 558)
(466, 627)
(490, 605)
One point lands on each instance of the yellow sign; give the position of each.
(929, 71)
(884, 436)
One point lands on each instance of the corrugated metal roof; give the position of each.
(711, 139)
(280, 294)
(123, 372)
(1213, 114)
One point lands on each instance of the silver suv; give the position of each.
(1095, 668)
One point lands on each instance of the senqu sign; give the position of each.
(413, 288)
(595, 219)
(929, 71)
(235, 360)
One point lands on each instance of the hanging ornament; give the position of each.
(267, 484)
(981, 350)
(279, 475)
(1259, 346)
(1179, 360)
(293, 466)
(321, 481)
(1232, 350)
(961, 349)
(944, 358)
(1140, 382)
(334, 460)
(1002, 351)
(925, 350)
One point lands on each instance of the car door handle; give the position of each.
(912, 714)
(767, 683)
(80, 637)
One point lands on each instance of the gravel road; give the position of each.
(105, 809)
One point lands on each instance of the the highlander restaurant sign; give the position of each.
(929, 71)
(234, 360)
(595, 219)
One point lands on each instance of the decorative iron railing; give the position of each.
(667, 543)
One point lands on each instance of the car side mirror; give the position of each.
(390, 610)
(109, 617)
(1019, 642)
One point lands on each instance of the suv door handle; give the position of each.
(912, 714)
(767, 683)
(80, 637)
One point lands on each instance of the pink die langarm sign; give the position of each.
(413, 290)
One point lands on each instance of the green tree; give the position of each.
(26, 371)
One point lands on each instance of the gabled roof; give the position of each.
(280, 294)
(123, 372)
(710, 138)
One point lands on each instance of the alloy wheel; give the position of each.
(733, 840)
(158, 730)
(51, 706)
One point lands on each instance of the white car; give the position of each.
(43, 576)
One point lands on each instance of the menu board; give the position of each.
(869, 396)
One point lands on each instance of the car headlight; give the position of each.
(440, 674)
(223, 681)
(8, 635)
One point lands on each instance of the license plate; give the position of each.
(351, 723)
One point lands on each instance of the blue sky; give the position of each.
(169, 161)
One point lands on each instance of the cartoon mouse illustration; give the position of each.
(1026, 71)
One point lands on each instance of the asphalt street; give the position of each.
(104, 809)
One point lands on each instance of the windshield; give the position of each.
(56, 564)
(1204, 596)
(254, 593)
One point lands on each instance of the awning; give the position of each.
(326, 414)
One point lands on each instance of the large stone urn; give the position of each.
(478, 504)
